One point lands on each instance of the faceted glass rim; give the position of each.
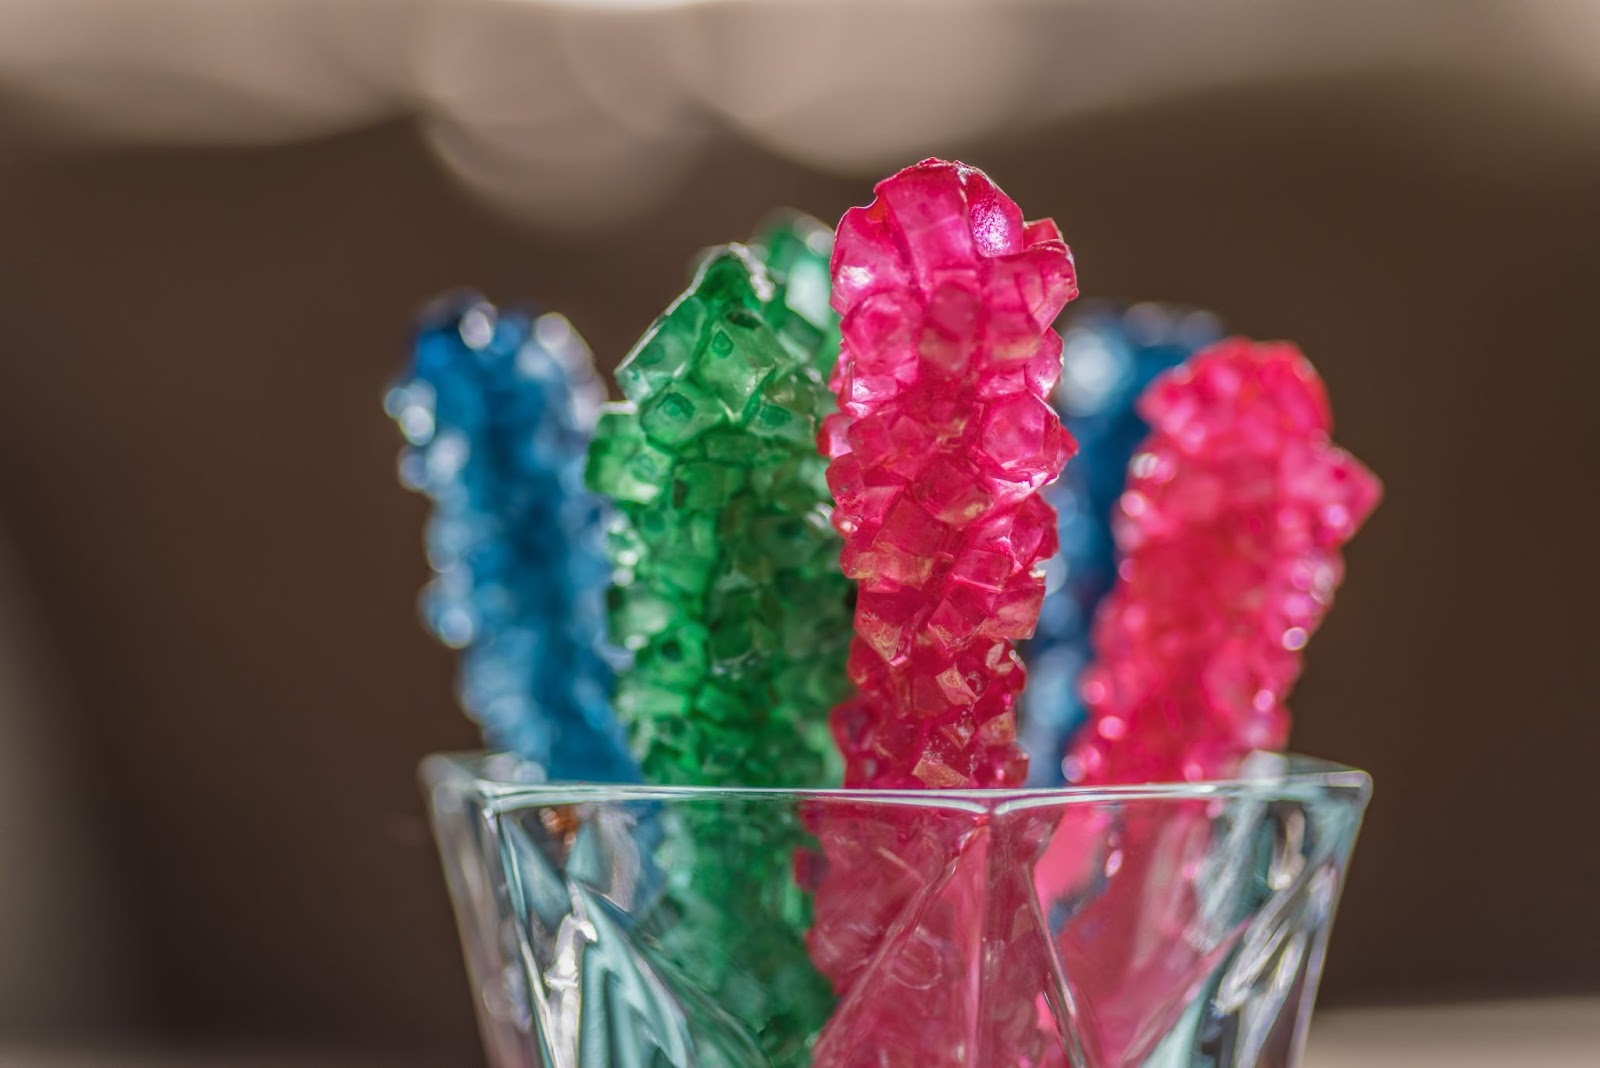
(1265, 777)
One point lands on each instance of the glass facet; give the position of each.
(1161, 926)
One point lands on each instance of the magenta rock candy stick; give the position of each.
(1230, 532)
(1229, 535)
(944, 436)
(943, 440)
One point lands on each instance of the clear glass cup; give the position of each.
(1161, 926)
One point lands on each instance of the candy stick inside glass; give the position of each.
(1230, 533)
(728, 593)
(497, 408)
(943, 440)
(1110, 354)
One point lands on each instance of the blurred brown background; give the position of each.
(212, 571)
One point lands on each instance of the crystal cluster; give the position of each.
(727, 590)
(498, 408)
(942, 442)
(1108, 357)
(1230, 533)
(726, 587)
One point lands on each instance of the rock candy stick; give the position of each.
(497, 408)
(726, 591)
(729, 595)
(943, 439)
(1230, 533)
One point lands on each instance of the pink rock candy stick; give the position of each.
(943, 439)
(1230, 534)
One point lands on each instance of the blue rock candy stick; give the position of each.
(1110, 355)
(498, 408)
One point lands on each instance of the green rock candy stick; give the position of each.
(728, 593)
